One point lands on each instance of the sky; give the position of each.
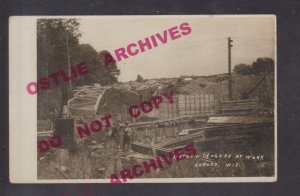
(202, 52)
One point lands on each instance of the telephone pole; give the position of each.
(229, 68)
(69, 60)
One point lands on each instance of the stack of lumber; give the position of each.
(238, 106)
(224, 120)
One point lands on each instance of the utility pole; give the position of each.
(229, 68)
(69, 60)
(65, 37)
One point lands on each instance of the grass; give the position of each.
(101, 163)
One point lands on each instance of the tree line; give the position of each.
(261, 65)
(58, 46)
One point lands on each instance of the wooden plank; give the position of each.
(237, 109)
(145, 148)
(140, 156)
(239, 119)
(218, 138)
(153, 148)
(45, 134)
(239, 101)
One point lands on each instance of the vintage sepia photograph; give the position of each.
(155, 98)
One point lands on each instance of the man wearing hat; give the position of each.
(127, 135)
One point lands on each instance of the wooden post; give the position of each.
(153, 149)
(195, 106)
(177, 106)
(200, 103)
(185, 104)
(190, 104)
(209, 103)
(168, 110)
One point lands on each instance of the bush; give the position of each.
(262, 65)
(242, 69)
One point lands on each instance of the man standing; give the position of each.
(116, 134)
(127, 135)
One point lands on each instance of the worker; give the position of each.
(117, 134)
(193, 123)
(127, 135)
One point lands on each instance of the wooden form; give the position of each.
(186, 105)
(223, 132)
(238, 106)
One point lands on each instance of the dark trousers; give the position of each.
(126, 141)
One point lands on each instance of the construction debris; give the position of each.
(200, 115)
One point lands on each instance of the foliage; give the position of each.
(108, 74)
(261, 65)
(58, 45)
(87, 54)
(242, 69)
(55, 38)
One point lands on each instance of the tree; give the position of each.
(56, 38)
(107, 73)
(263, 65)
(139, 78)
(95, 62)
(87, 54)
(58, 47)
(242, 69)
